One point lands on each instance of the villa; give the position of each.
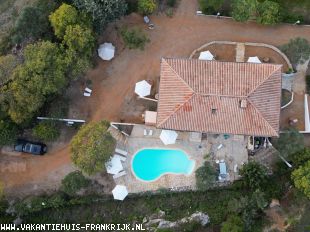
(219, 97)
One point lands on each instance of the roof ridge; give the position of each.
(260, 84)
(181, 105)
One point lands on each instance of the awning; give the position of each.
(254, 59)
(106, 51)
(143, 88)
(168, 136)
(114, 166)
(206, 55)
(119, 192)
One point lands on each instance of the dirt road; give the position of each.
(114, 81)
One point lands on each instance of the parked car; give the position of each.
(30, 147)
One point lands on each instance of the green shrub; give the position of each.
(46, 131)
(210, 6)
(233, 223)
(268, 12)
(171, 3)
(298, 50)
(301, 178)
(134, 38)
(8, 132)
(205, 176)
(254, 175)
(146, 7)
(169, 12)
(73, 182)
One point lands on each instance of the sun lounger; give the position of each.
(121, 152)
(145, 132)
(223, 170)
(122, 173)
(150, 132)
(122, 158)
(86, 94)
(146, 19)
(88, 90)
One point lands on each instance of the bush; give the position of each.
(73, 182)
(205, 176)
(46, 131)
(300, 157)
(298, 50)
(171, 3)
(233, 223)
(243, 10)
(92, 147)
(269, 12)
(134, 38)
(146, 7)
(8, 132)
(210, 6)
(301, 178)
(254, 175)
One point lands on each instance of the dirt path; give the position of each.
(114, 81)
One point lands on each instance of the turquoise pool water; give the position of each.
(150, 164)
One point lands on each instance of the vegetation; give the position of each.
(146, 7)
(7, 65)
(8, 132)
(206, 176)
(308, 84)
(92, 147)
(300, 157)
(268, 12)
(295, 144)
(233, 223)
(254, 175)
(134, 38)
(301, 178)
(298, 50)
(102, 11)
(243, 10)
(74, 182)
(210, 6)
(46, 131)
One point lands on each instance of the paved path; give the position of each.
(240, 51)
(114, 81)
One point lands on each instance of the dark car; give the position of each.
(30, 147)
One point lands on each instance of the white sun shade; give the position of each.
(206, 55)
(254, 59)
(143, 88)
(119, 192)
(106, 51)
(114, 166)
(168, 136)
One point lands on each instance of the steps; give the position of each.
(240, 51)
(117, 135)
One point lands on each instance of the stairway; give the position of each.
(240, 51)
(117, 135)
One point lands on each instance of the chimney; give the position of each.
(243, 103)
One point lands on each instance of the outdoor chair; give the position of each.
(145, 132)
(122, 158)
(121, 152)
(150, 132)
(122, 173)
(88, 90)
(86, 94)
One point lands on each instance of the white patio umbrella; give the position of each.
(143, 88)
(106, 51)
(206, 55)
(114, 166)
(168, 136)
(120, 192)
(254, 59)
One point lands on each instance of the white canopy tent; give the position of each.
(168, 136)
(206, 55)
(143, 88)
(254, 59)
(106, 51)
(120, 192)
(114, 166)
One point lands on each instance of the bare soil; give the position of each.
(113, 82)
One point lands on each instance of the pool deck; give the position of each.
(233, 152)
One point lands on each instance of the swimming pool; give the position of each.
(150, 164)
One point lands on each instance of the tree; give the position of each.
(268, 12)
(92, 147)
(40, 76)
(210, 6)
(243, 10)
(300, 157)
(73, 182)
(8, 64)
(63, 17)
(301, 178)
(134, 38)
(298, 50)
(233, 224)
(205, 176)
(46, 131)
(146, 7)
(289, 142)
(102, 11)
(8, 132)
(254, 175)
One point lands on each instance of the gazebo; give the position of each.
(114, 166)
(106, 51)
(120, 192)
(143, 88)
(168, 136)
(206, 55)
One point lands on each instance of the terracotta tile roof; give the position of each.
(219, 97)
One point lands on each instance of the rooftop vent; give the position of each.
(243, 103)
(213, 110)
